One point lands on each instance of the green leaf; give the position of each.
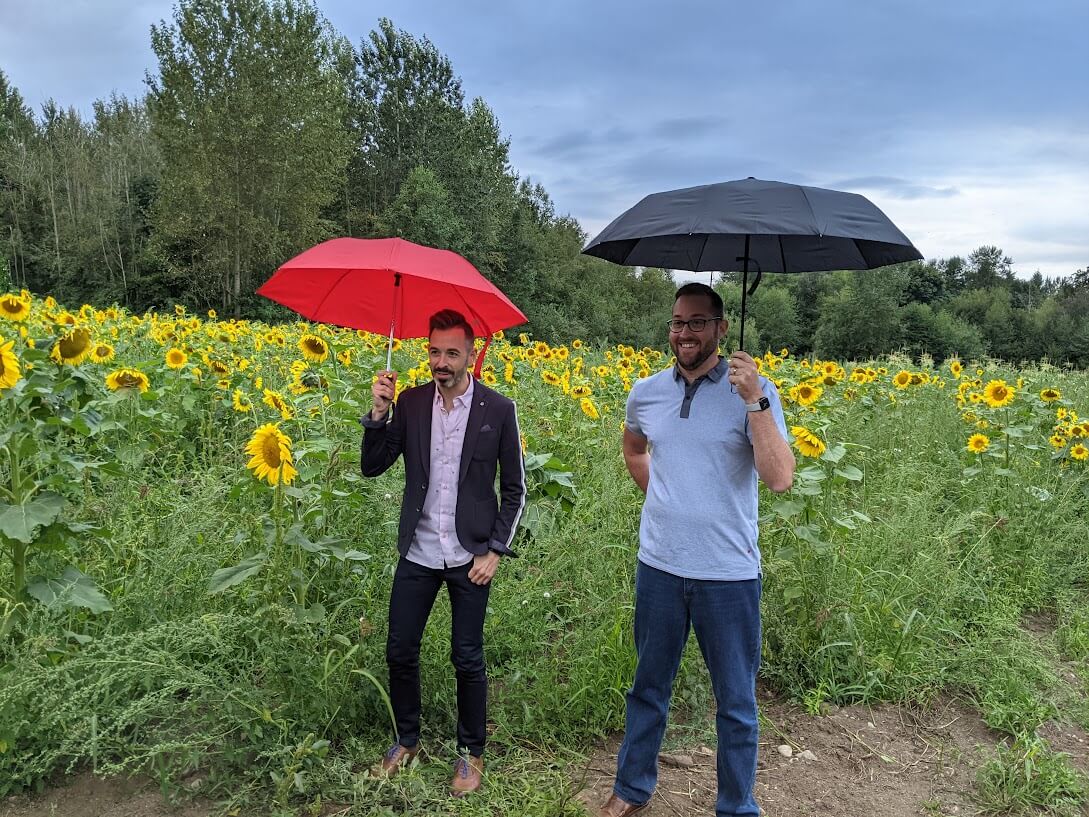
(849, 472)
(788, 508)
(22, 522)
(844, 522)
(227, 577)
(792, 592)
(835, 453)
(71, 589)
(812, 473)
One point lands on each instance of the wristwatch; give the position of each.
(760, 405)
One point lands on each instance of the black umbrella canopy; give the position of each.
(739, 225)
(776, 227)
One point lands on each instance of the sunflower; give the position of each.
(1079, 452)
(602, 371)
(508, 372)
(808, 443)
(125, 379)
(270, 455)
(807, 394)
(315, 348)
(1050, 395)
(345, 357)
(551, 378)
(588, 408)
(956, 368)
(72, 348)
(576, 344)
(1057, 441)
(102, 352)
(902, 379)
(14, 307)
(241, 402)
(978, 443)
(998, 393)
(273, 399)
(176, 358)
(218, 367)
(581, 391)
(9, 366)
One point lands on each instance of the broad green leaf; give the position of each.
(22, 522)
(71, 589)
(788, 508)
(849, 472)
(227, 577)
(835, 453)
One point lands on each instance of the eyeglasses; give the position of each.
(695, 324)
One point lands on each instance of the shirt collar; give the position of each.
(463, 400)
(716, 374)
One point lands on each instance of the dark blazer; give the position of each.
(482, 521)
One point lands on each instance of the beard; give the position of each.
(692, 359)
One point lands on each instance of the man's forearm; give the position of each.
(772, 456)
(639, 468)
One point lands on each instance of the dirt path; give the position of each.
(882, 761)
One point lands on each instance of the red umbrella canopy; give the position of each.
(369, 283)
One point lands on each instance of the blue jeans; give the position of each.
(726, 618)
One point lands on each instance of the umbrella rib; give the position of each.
(703, 250)
(329, 292)
(811, 210)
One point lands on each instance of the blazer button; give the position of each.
(417, 510)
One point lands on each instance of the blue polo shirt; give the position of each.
(700, 516)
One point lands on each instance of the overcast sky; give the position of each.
(966, 121)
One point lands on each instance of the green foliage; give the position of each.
(1027, 776)
(248, 114)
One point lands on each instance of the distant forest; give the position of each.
(264, 131)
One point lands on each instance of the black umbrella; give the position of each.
(773, 226)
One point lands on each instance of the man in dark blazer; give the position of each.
(453, 433)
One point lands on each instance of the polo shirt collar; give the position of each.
(715, 375)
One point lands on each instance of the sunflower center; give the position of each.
(270, 451)
(75, 343)
(11, 306)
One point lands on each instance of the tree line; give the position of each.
(264, 131)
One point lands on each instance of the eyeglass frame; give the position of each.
(670, 324)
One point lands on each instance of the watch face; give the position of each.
(764, 403)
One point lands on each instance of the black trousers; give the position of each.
(414, 590)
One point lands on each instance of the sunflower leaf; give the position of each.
(22, 522)
(849, 472)
(71, 589)
(227, 577)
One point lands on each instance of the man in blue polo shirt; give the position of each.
(696, 438)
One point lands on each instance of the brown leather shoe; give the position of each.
(467, 772)
(396, 759)
(615, 807)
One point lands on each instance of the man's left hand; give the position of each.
(745, 377)
(484, 567)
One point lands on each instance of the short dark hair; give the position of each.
(451, 319)
(696, 288)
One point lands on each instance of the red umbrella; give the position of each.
(389, 285)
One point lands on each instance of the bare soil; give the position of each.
(880, 761)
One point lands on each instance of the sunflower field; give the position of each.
(194, 575)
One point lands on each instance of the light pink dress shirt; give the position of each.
(436, 543)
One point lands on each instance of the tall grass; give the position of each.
(911, 578)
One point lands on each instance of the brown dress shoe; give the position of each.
(467, 772)
(615, 807)
(396, 758)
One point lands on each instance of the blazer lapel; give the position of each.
(472, 428)
(424, 426)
